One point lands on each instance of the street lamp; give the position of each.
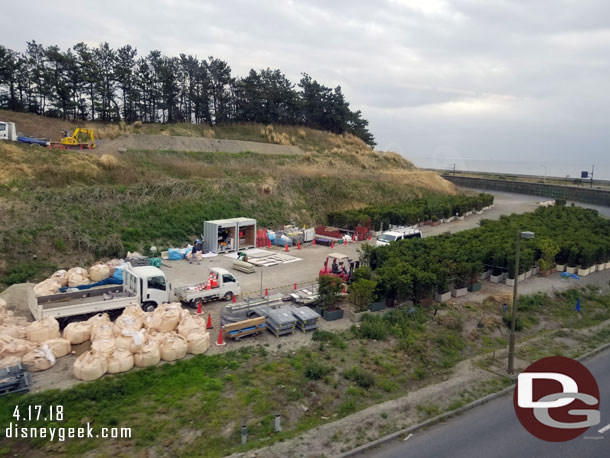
(544, 172)
(511, 342)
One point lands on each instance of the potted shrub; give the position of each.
(573, 258)
(561, 259)
(361, 293)
(462, 275)
(435, 221)
(443, 292)
(548, 252)
(329, 290)
(586, 260)
(424, 284)
(475, 282)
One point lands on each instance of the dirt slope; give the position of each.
(190, 144)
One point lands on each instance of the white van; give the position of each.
(392, 236)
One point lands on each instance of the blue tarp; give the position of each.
(118, 274)
(108, 281)
(32, 140)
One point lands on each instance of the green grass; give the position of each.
(70, 208)
(342, 372)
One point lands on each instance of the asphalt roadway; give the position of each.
(493, 431)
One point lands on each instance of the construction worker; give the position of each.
(196, 252)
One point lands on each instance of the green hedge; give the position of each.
(415, 268)
(410, 212)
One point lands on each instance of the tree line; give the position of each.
(104, 84)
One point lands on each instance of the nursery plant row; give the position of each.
(414, 211)
(572, 238)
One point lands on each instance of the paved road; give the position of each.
(493, 431)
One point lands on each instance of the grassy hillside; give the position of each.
(61, 208)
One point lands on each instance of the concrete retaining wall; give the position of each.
(588, 195)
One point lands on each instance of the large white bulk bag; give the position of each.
(130, 340)
(46, 288)
(77, 332)
(100, 318)
(10, 330)
(99, 272)
(149, 354)
(120, 360)
(173, 347)
(77, 276)
(6, 317)
(103, 346)
(39, 359)
(59, 346)
(9, 346)
(102, 331)
(165, 317)
(191, 323)
(136, 311)
(45, 329)
(198, 342)
(61, 277)
(90, 366)
(126, 322)
(8, 361)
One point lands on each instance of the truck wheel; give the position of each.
(228, 296)
(149, 306)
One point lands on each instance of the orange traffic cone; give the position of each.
(295, 286)
(344, 291)
(209, 325)
(220, 342)
(233, 300)
(269, 243)
(313, 242)
(332, 244)
(299, 247)
(286, 247)
(199, 311)
(266, 292)
(369, 236)
(344, 241)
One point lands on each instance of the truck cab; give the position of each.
(8, 131)
(152, 285)
(393, 236)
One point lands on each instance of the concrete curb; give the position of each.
(446, 415)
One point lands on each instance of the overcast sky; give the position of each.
(525, 83)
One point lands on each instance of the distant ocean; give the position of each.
(553, 168)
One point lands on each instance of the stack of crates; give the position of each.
(307, 319)
(281, 321)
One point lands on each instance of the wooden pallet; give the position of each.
(244, 328)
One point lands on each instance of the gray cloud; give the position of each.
(468, 79)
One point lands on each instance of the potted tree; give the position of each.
(475, 282)
(329, 290)
(573, 258)
(548, 251)
(561, 259)
(423, 286)
(462, 274)
(587, 259)
(443, 293)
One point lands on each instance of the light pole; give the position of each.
(511, 342)
(544, 172)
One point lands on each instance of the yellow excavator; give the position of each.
(73, 140)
